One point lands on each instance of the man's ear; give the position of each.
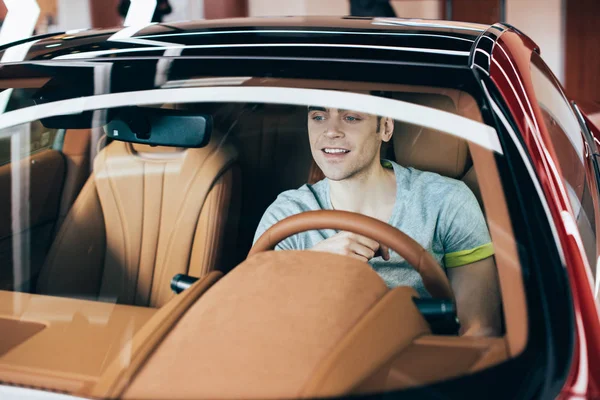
(387, 129)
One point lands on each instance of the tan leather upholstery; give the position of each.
(388, 328)
(118, 375)
(430, 150)
(302, 345)
(430, 359)
(15, 332)
(76, 151)
(145, 215)
(61, 344)
(74, 263)
(426, 149)
(435, 280)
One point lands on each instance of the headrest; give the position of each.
(427, 149)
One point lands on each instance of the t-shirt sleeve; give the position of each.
(464, 232)
(277, 211)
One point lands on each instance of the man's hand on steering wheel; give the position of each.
(353, 245)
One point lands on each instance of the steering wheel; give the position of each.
(434, 279)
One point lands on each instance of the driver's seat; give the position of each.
(145, 214)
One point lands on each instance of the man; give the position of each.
(440, 213)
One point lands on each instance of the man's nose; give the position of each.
(333, 129)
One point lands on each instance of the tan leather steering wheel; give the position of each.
(434, 279)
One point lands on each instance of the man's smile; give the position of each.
(335, 151)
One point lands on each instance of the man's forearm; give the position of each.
(477, 297)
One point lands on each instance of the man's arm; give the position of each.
(477, 294)
(288, 203)
(272, 215)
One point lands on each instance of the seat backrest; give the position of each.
(145, 214)
(430, 150)
(427, 149)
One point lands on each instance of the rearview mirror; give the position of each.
(160, 127)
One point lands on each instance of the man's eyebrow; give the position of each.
(341, 110)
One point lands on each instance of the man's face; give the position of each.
(344, 143)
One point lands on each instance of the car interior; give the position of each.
(111, 222)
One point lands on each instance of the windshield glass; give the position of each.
(107, 197)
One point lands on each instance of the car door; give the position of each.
(574, 156)
(593, 177)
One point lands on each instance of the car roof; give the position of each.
(408, 40)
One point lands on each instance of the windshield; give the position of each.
(106, 198)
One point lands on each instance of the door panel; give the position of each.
(46, 174)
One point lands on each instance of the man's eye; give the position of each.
(318, 118)
(351, 118)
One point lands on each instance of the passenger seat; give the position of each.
(144, 215)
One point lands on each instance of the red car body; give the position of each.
(509, 70)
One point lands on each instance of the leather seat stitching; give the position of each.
(158, 237)
(139, 258)
(124, 231)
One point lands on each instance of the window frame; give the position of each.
(536, 349)
(594, 183)
(537, 62)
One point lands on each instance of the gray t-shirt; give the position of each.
(440, 213)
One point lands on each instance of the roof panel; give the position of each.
(404, 40)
